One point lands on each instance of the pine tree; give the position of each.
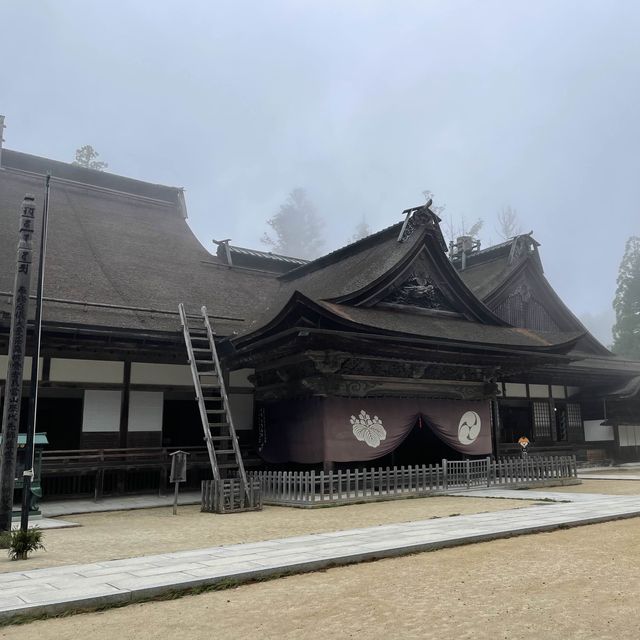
(626, 331)
(87, 157)
(297, 228)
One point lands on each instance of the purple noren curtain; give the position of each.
(361, 429)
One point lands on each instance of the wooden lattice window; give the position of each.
(541, 420)
(574, 419)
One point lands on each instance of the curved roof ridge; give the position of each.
(341, 253)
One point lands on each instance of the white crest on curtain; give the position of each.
(469, 427)
(368, 429)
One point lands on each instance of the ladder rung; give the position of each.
(225, 451)
(201, 350)
(218, 424)
(221, 438)
(207, 373)
(216, 411)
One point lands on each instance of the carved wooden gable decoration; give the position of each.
(419, 288)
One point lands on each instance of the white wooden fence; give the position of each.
(314, 488)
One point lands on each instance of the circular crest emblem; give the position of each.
(469, 427)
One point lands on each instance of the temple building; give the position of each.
(394, 349)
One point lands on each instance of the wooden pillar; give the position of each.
(124, 419)
(124, 405)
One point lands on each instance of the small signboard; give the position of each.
(178, 474)
(178, 466)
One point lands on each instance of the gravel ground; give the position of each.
(124, 534)
(576, 583)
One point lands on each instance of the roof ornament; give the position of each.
(225, 244)
(416, 217)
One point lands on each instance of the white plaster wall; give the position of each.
(538, 391)
(145, 410)
(239, 378)
(629, 435)
(594, 430)
(92, 371)
(101, 411)
(515, 390)
(4, 363)
(242, 410)
(557, 391)
(171, 375)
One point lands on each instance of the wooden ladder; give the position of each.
(211, 394)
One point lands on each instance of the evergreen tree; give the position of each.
(626, 331)
(362, 230)
(297, 228)
(87, 157)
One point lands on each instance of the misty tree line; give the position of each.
(297, 230)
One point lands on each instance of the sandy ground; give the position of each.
(124, 534)
(576, 583)
(614, 471)
(612, 487)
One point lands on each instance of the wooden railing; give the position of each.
(100, 471)
(313, 488)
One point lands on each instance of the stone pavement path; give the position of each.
(73, 587)
(608, 476)
(55, 508)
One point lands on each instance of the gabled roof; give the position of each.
(114, 255)
(354, 284)
(300, 313)
(498, 272)
(486, 270)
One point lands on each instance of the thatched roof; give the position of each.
(120, 242)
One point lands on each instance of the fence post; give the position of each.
(488, 471)
(445, 478)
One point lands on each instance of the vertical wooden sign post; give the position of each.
(178, 474)
(15, 370)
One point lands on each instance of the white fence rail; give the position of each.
(314, 488)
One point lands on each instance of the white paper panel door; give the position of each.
(145, 410)
(101, 411)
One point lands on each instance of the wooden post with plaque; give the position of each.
(178, 474)
(15, 371)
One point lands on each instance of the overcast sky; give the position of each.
(365, 104)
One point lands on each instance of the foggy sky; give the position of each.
(364, 104)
